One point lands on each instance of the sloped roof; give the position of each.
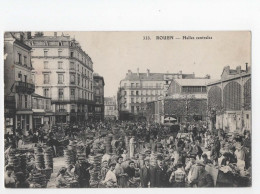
(193, 82)
(143, 76)
(50, 38)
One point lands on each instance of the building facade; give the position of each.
(229, 100)
(18, 84)
(43, 116)
(185, 101)
(98, 97)
(111, 112)
(137, 89)
(64, 73)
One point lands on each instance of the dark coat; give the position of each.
(159, 177)
(145, 176)
(205, 180)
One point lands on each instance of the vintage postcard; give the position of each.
(127, 109)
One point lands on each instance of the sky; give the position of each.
(114, 53)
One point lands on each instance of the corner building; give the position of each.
(18, 84)
(64, 73)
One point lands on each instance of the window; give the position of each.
(20, 77)
(72, 65)
(46, 92)
(45, 53)
(137, 92)
(137, 108)
(132, 109)
(78, 79)
(132, 100)
(25, 78)
(60, 78)
(124, 84)
(59, 53)
(25, 101)
(25, 60)
(60, 94)
(132, 85)
(60, 65)
(71, 54)
(73, 108)
(72, 93)
(72, 79)
(47, 104)
(46, 78)
(137, 85)
(19, 58)
(97, 92)
(46, 65)
(132, 93)
(20, 101)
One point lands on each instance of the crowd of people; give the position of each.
(153, 156)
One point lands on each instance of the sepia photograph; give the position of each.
(127, 109)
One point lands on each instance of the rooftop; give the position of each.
(193, 82)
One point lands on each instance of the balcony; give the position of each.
(24, 87)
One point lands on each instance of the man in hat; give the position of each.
(61, 180)
(145, 173)
(204, 178)
(82, 174)
(200, 177)
(178, 177)
(158, 174)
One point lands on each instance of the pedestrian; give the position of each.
(104, 169)
(110, 178)
(120, 174)
(145, 173)
(61, 180)
(9, 179)
(178, 177)
(82, 174)
(158, 174)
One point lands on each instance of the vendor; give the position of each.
(61, 180)
(110, 179)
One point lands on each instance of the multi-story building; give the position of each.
(185, 101)
(64, 73)
(43, 116)
(136, 89)
(111, 112)
(18, 86)
(229, 100)
(98, 97)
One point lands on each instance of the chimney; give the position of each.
(138, 72)
(148, 72)
(238, 69)
(246, 67)
(55, 34)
